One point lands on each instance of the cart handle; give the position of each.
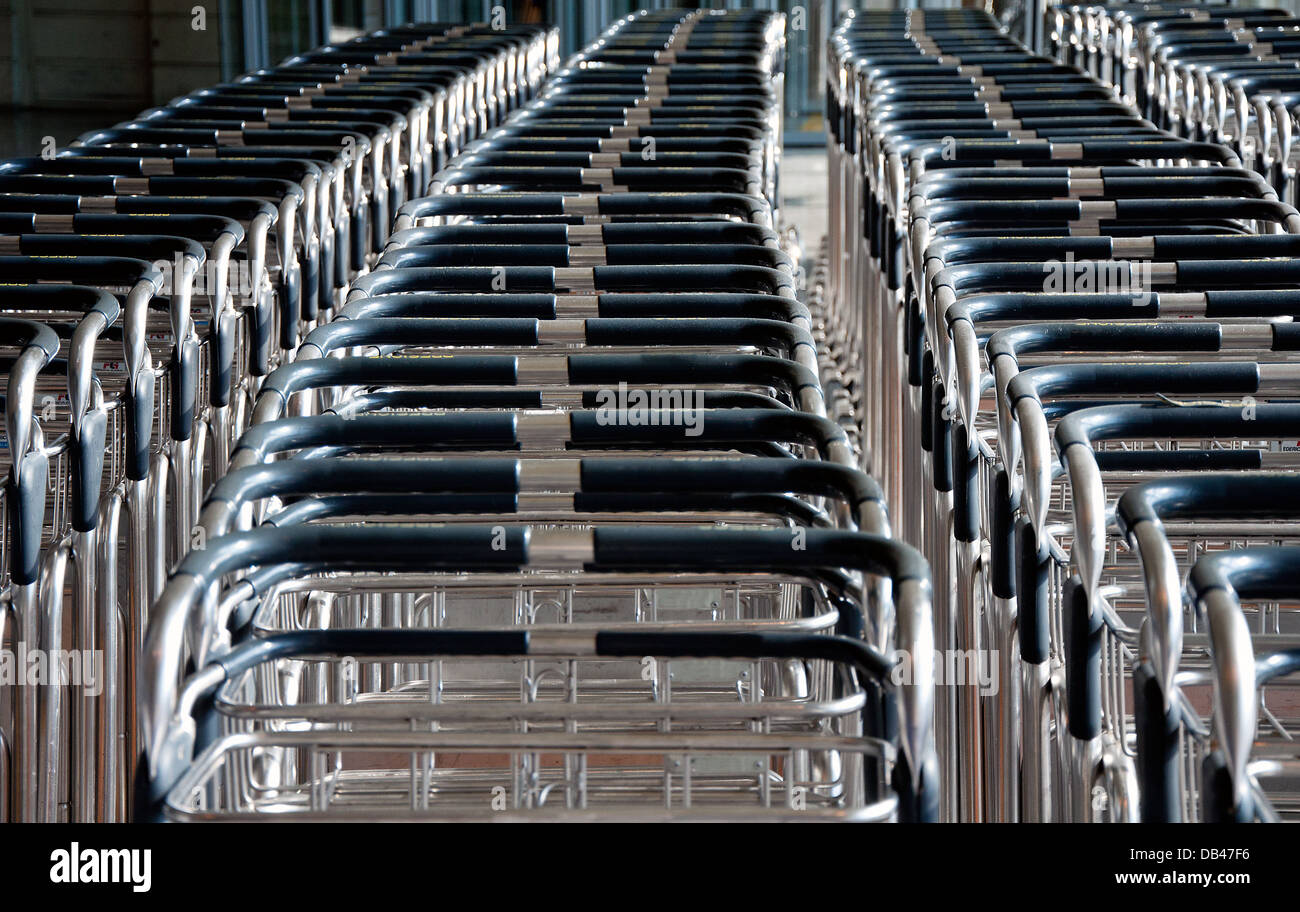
(547, 306)
(503, 370)
(29, 465)
(1011, 344)
(146, 283)
(784, 339)
(1223, 182)
(934, 154)
(1024, 394)
(571, 179)
(749, 208)
(1077, 433)
(582, 280)
(506, 430)
(88, 424)
(496, 252)
(614, 475)
(610, 234)
(1019, 212)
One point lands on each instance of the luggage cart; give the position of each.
(463, 383)
(53, 520)
(535, 541)
(1238, 778)
(934, 119)
(1174, 743)
(142, 238)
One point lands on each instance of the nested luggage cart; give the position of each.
(152, 276)
(429, 428)
(546, 517)
(1250, 774)
(1047, 281)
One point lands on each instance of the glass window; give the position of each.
(289, 28)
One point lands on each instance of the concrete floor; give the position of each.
(804, 187)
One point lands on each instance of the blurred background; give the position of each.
(69, 65)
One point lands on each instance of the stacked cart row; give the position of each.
(511, 494)
(1061, 297)
(549, 522)
(152, 276)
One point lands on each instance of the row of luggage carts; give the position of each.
(1059, 297)
(512, 494)
(152, 276)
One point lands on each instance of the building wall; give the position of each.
(117, 54)
(182, 57)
